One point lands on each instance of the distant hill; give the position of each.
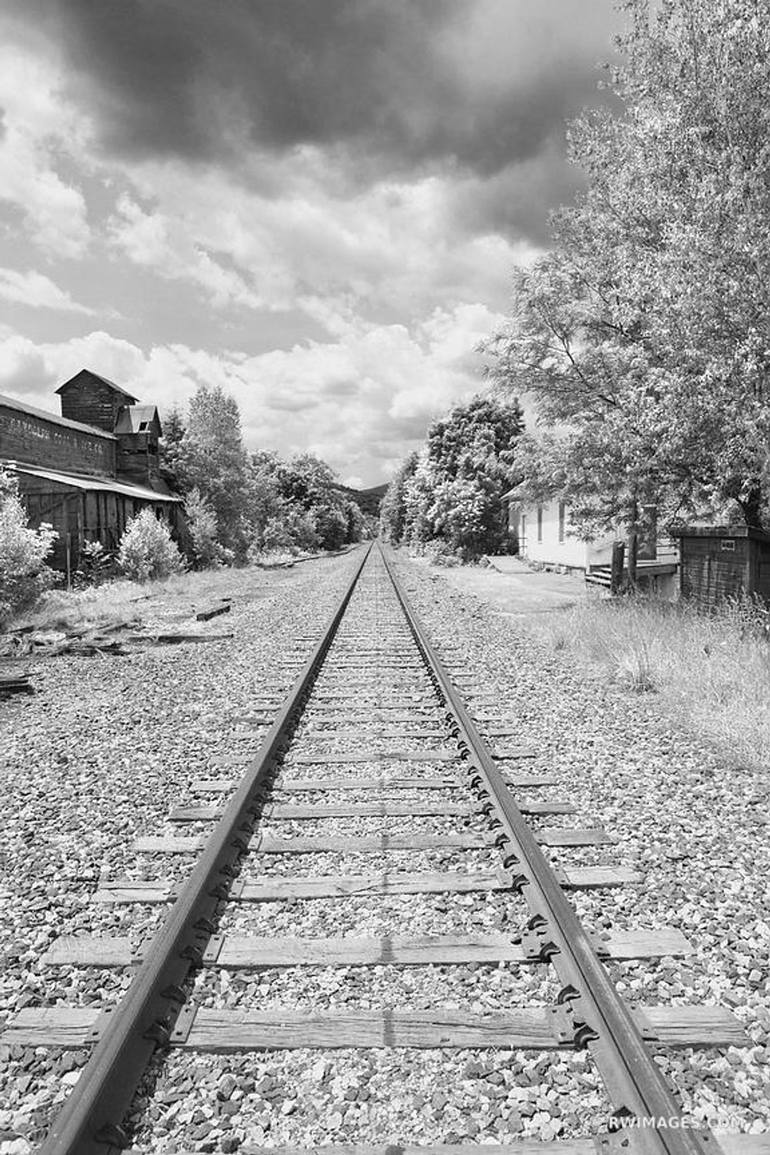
(368, 499)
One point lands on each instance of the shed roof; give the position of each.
(97, 377)
(721, 531)
(54, 418)
(92, 484)
(131, 417)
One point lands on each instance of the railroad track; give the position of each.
(374, 741)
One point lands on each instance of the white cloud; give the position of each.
(38, 126)
(165, 244)
(37, 291)
(392, 250)
(360, 402)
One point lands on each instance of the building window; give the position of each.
(540, 523)
(562, 512)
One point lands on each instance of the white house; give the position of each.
(543, 533)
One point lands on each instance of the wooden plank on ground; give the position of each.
(732, 1143)
(693, 1026)
(522, 1147)
(556, 836)
(591, 877)
(167, 844)
(239, 1030)
(213, 612)
(306, 785)
(88, 950)
(406, 882)
(281, 811)
(235, 952)
(233, 1031)
(122, 891)
(513, 753)
(353, 732)
(332, 757)
(331, 844)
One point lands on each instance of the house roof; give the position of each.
(92, 484)
(131, 417)
(54, 418)
(97, 377)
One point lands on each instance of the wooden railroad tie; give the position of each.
(373, 843)
(400, 782)
(241, 952)
(279, 889)
(232, 1031)
(286, 811)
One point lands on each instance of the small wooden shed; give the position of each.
(723, 561)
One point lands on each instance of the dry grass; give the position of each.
(126, 603)
(710, 671)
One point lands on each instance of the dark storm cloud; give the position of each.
(396, 83)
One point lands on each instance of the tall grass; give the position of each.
(711, 671)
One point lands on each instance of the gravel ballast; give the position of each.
(110, 746)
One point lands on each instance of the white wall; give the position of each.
(550, 550)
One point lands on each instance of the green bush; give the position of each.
(146, 550)
(24, 576)
(207, 551)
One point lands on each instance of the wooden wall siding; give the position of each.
(36, 441)
(711, 574)
(718, 567)
(80, 515)
(138, 459)
(92, 403)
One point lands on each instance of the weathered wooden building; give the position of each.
(90, 470)
(719, 562)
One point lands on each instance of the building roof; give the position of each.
(721, 531)
(132, 417)
(54, 418)
(92, 484)
(97, 377)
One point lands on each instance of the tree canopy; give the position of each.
(240, 505)
(451, 492)
(644, 334)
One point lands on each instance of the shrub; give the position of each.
(24, 576)
(96, 565)
(146, 549)
(292, 530)
(207, 551)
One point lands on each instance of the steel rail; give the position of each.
(589, 1008)
(90, 1122)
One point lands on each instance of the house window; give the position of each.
(540, 523)
(143, 426)
(562, 512)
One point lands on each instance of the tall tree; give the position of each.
(452, 491)
(212, 460)
(644, 335)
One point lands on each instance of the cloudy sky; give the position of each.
(316, 204)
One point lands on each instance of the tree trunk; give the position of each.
(633, 548)
(616, 568)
